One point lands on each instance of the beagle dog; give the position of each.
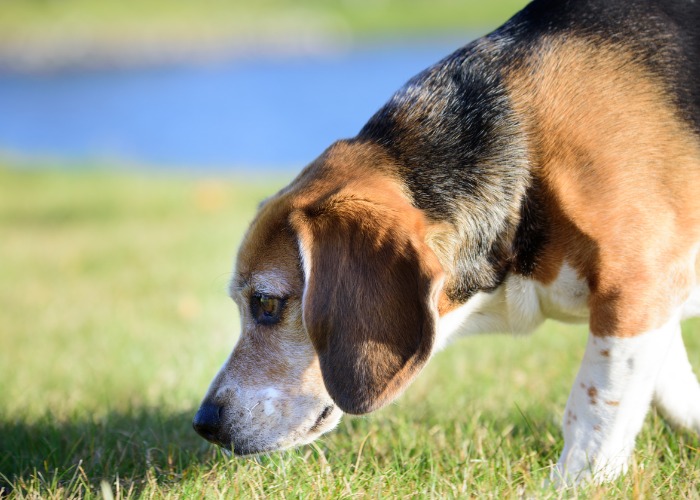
(547, 170)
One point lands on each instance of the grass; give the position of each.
(147, 20)
(115, 318)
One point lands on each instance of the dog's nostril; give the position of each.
(207, 420)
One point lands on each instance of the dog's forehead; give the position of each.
(270, 250)
(269, 255)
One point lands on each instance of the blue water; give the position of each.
(239, 114)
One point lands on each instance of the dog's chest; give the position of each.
(566, 298)
(519, 305)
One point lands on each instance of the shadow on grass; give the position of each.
(147, 447)
(139, 447)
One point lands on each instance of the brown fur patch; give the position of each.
(593, 394)
(268, 262)
(371, 296)
(620, 172)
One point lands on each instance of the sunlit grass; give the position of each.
(115, 318)
(151, 20)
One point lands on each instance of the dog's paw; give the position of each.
(583, 470)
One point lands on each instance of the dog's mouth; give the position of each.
(322, 418)
(243, 450)
(240, 450)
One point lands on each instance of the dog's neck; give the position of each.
(463, 157)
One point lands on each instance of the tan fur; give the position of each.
(442, 237)
(271, 252)
(371, 284)
(620, 172)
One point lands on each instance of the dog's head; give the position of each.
(338, 295)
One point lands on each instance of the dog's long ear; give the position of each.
(370, 299)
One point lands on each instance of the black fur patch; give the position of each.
(462, 155)
(460, 147)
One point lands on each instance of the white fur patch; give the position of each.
(677, 391)
(609, 401)
(305, 255)
(468, 318)
(268, 396)
(523, 304)
(691, 308)
(519, 305)
(566, 298)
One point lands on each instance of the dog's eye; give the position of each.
(266, 310)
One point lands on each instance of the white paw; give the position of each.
(579, 468)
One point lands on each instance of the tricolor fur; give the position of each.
(547, 170)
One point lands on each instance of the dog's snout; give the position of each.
(207, 421)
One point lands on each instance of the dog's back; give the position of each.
(663, 34)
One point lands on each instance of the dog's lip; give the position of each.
(247, 452)
(229, 449)
(325, 413)
(240, 451)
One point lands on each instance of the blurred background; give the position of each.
(212, 84)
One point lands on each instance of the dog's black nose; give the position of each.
(207, 421)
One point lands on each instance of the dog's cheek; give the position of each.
(274, 418)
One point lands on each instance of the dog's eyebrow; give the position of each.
(270, 282)
(266, 282)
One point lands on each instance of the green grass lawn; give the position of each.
(32, 20)
(115, 318)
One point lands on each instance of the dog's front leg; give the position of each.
(677, 391)
(608, 403)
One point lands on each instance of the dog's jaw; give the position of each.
(256, 419)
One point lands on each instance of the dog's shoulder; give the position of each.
(663, 35)
(537, 121)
